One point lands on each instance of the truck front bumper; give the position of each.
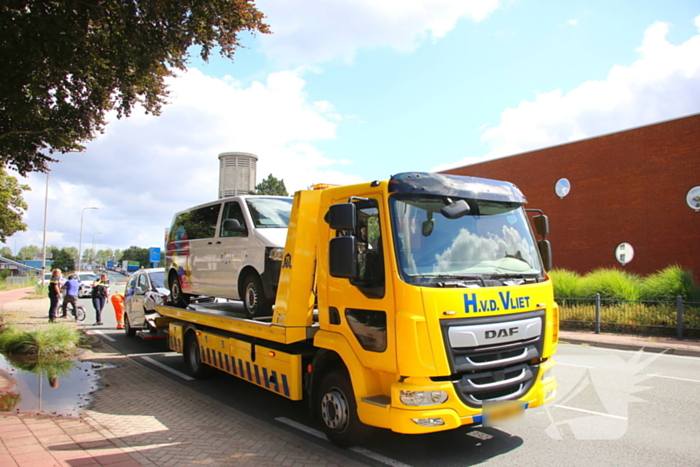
(452, 413)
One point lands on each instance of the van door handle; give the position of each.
(218, 243)
(208, 243)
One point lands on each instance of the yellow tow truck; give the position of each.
(415, 304)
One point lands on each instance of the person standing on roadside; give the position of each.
(72, 286)
(100, 292)
(54, 294)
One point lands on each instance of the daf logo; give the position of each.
(493, 334)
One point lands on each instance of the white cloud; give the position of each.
(664, 83)
(144, 169)
(309, 31)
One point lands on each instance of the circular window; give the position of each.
(624, 253)
(562, 187)
(693, 198)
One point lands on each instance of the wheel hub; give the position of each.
(251, 298)
(334, 410)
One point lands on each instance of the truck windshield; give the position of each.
(489, 244)
(270, 213)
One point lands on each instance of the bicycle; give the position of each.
(77, 312)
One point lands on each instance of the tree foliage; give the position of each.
(63, 260)
(6, 252)
(12, 205)
(66, 63)
(271, 186)
(135, 253)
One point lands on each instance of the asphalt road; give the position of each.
(612, 408)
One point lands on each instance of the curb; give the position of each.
(631, 343)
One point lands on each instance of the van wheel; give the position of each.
(130, 332)
(338, 409)
(256, 304)
(193, 360)
(178, 298)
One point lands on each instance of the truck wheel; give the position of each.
(338, 411)
(131, 332)
(256, 304)
(178, 298)
(193, 362)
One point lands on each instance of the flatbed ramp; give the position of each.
(231, 317)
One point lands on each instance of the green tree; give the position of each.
(12, 205)
(28, 252)
(67, 63)
(6, 252)
(271, 186)
(134, 253)
(63, 260)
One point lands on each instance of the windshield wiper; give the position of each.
(456, 280)
(529, 277)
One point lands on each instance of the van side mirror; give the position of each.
(341, 257)
(545, 253)
(541, 224)
(342, 216)
(232, 225)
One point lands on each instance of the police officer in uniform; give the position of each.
(100, 293)
(54, 294)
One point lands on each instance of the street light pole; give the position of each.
(43, 244)
(80, 243)
(93, 246)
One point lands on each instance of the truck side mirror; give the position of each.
(341, 257)
(232, 225)
(342, 216)
(546, 253)
(541, 224)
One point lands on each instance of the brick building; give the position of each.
(627, 187)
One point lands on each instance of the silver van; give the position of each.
(231, 248)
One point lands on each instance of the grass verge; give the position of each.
(45, 341)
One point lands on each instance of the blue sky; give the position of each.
(354, 90)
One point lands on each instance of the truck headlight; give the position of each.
(428, 421)
(420, 398)
(276, 254)
(546, 374)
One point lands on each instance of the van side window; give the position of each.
(200, 223)
(232, 210)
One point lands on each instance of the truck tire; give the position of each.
(179, 299)
(130, 332)
(338, 410)
(254, 299)
(192, 356)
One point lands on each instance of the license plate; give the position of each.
(497, 412)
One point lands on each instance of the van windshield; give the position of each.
(270, 213)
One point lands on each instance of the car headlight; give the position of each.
(276, 254)
(421, 398)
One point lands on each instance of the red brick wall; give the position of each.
(625, 187)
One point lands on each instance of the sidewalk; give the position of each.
(141, 418)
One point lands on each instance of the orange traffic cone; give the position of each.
(118, 304)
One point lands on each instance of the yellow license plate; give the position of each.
(497, 412)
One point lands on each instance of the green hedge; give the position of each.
(666, 284)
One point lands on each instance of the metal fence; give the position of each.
(671, 318)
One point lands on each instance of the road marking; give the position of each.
(479, 435)
(571, 364)
(95, 331)
(167, 368)
(591, 412)
(679, 379)
(304, 428)
(357, 449)
(378, 457)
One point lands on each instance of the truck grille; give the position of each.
(482, 371)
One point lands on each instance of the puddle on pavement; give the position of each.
(59, 388)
